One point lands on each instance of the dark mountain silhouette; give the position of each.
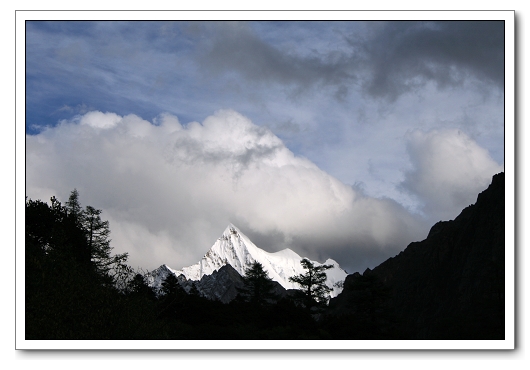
(448, 286)
(222, 285)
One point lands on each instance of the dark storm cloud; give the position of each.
(235, 47)
(386, 59)
(400, 56)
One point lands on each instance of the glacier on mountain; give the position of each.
(236, 249)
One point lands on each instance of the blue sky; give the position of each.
(336, 139)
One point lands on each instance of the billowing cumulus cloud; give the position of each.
(169, 190)
(449, 170)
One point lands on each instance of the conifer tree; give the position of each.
(73, 207)
(313, 282)
(95, 250)
(172, 296)
(171, 286)
(139, 287)
(258, 285)
(97, 234)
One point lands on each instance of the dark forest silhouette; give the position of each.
(449, 286)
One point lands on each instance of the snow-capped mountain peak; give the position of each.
(236, 249)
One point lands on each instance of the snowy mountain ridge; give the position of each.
(236, 249)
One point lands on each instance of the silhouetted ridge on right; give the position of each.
(448, 286)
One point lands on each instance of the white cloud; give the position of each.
(99, 119)
(449, 170)
(169, 190)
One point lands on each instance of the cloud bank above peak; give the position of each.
(169, 189)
